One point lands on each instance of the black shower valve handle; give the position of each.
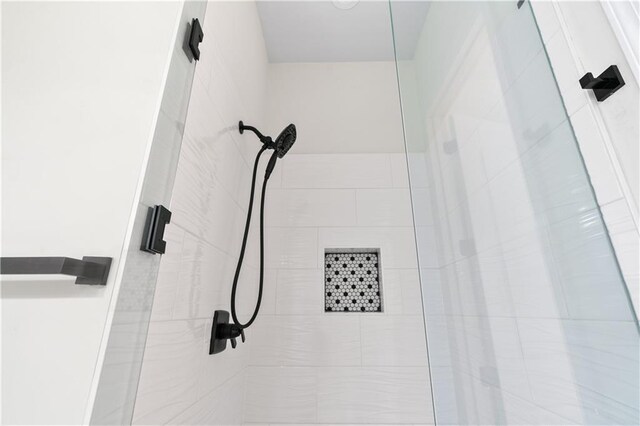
(222, 330)
(236, 331)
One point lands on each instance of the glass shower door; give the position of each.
(528, 318)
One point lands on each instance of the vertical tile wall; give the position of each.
(180, 383)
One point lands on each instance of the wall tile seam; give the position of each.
(354, 189)
(200, 362)
(616, 201)
(355, 226)
(222, 62)
(351, 367)
(275, 289)
(320, 315)
(520, 398)
(228, 193)
(237, 141)
(587, 107)
(340, 188)
(199, 239)
(563, 88)
(338, 315)
(485, 186)
(232, 195)
(245, 387)
(526, 317)
(188, 134)
(210, 243)
(613, 225)
(207, 394)
(536, 318)
(235, 136)
(490, 110)
(461, 258)
(341, 367)
(178, 254)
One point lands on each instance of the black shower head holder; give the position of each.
(264, 139)
(283, 142)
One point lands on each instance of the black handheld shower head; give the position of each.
(283, 144)
(285, 140)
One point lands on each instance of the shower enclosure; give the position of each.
(528, 318)
(435, 249)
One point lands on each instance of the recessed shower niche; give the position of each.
(352, 280)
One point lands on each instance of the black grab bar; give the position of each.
(90, 270)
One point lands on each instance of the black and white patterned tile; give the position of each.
(352, 282)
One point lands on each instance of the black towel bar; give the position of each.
(90, 270)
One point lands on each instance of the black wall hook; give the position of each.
(605, 85)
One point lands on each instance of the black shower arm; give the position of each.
(264, 139)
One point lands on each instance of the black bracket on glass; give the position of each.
(605, 85)
(158, 218)
(90, 270)
(221, 331)
(195, 38)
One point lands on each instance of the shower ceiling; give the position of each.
(317, 31)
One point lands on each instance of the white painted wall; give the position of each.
(180, 382)
(339, 107)
(81, 87)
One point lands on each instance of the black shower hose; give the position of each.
(244, 244)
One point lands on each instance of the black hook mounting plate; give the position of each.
(217, 344)
(605, 85)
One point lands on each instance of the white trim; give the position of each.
(625, 22)
(597, 114)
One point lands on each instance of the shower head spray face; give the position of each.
(285, 140)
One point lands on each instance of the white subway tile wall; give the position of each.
(310, 366)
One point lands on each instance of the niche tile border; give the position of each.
(352, 280)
